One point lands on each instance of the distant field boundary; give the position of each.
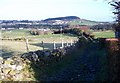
(104, 34)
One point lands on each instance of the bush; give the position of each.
(19, 39)
(40, 32)
(113, 57)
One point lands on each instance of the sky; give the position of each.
(96, 10)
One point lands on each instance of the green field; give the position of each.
(84, 22)
(15, 33)
(9, 48)
(25, 33)
(18, 47)
(104, 34)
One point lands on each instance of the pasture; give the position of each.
(104, 34)
(9, 48)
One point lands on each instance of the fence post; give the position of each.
(43, 45)
(74, 42)
(27, 45)
(62, 43)
(67, 43)
(71, 42)
(54, 45)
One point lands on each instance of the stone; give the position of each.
(2, 77)
(12, 72)
(35, 57)
(47, 53)
(1, 58)
(16, 69)
(7, 63)
(23, 65)
(12, 67)
(40, 53)
(6, 70)
(19, 67)
(18, 77)
(1, 66)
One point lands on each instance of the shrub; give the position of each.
(113, 57)
(19, 39)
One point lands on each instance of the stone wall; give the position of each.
(15, 69)
(21, 68)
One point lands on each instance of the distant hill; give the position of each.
(67, 18)
(71, 20)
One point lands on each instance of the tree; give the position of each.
(116, 6)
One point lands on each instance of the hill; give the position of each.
(67, 18)
(71, 20)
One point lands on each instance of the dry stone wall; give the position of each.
(20, 68)
(15, 69)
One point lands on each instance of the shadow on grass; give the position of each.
(5, 53)
(50, 46)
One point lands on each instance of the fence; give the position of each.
(54, 45)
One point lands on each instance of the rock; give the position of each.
(1, 65)
(2, 77)
(35, 57)
(12, 72)
(24, 56)
(40, 53)
(26, 73)
(7, 63)
(6, 70)
(1, 58)
(18, 77)
(47, 53)
(16, 68)
(19, 67)
(12, 66)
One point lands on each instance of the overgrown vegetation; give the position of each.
(116, 6)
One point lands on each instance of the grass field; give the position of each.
(15, 33)
(84, 22)
(88, 56)
(26, 34)
(9, 48)
(19, 47)
(104, 34)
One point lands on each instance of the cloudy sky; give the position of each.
(97, 10)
